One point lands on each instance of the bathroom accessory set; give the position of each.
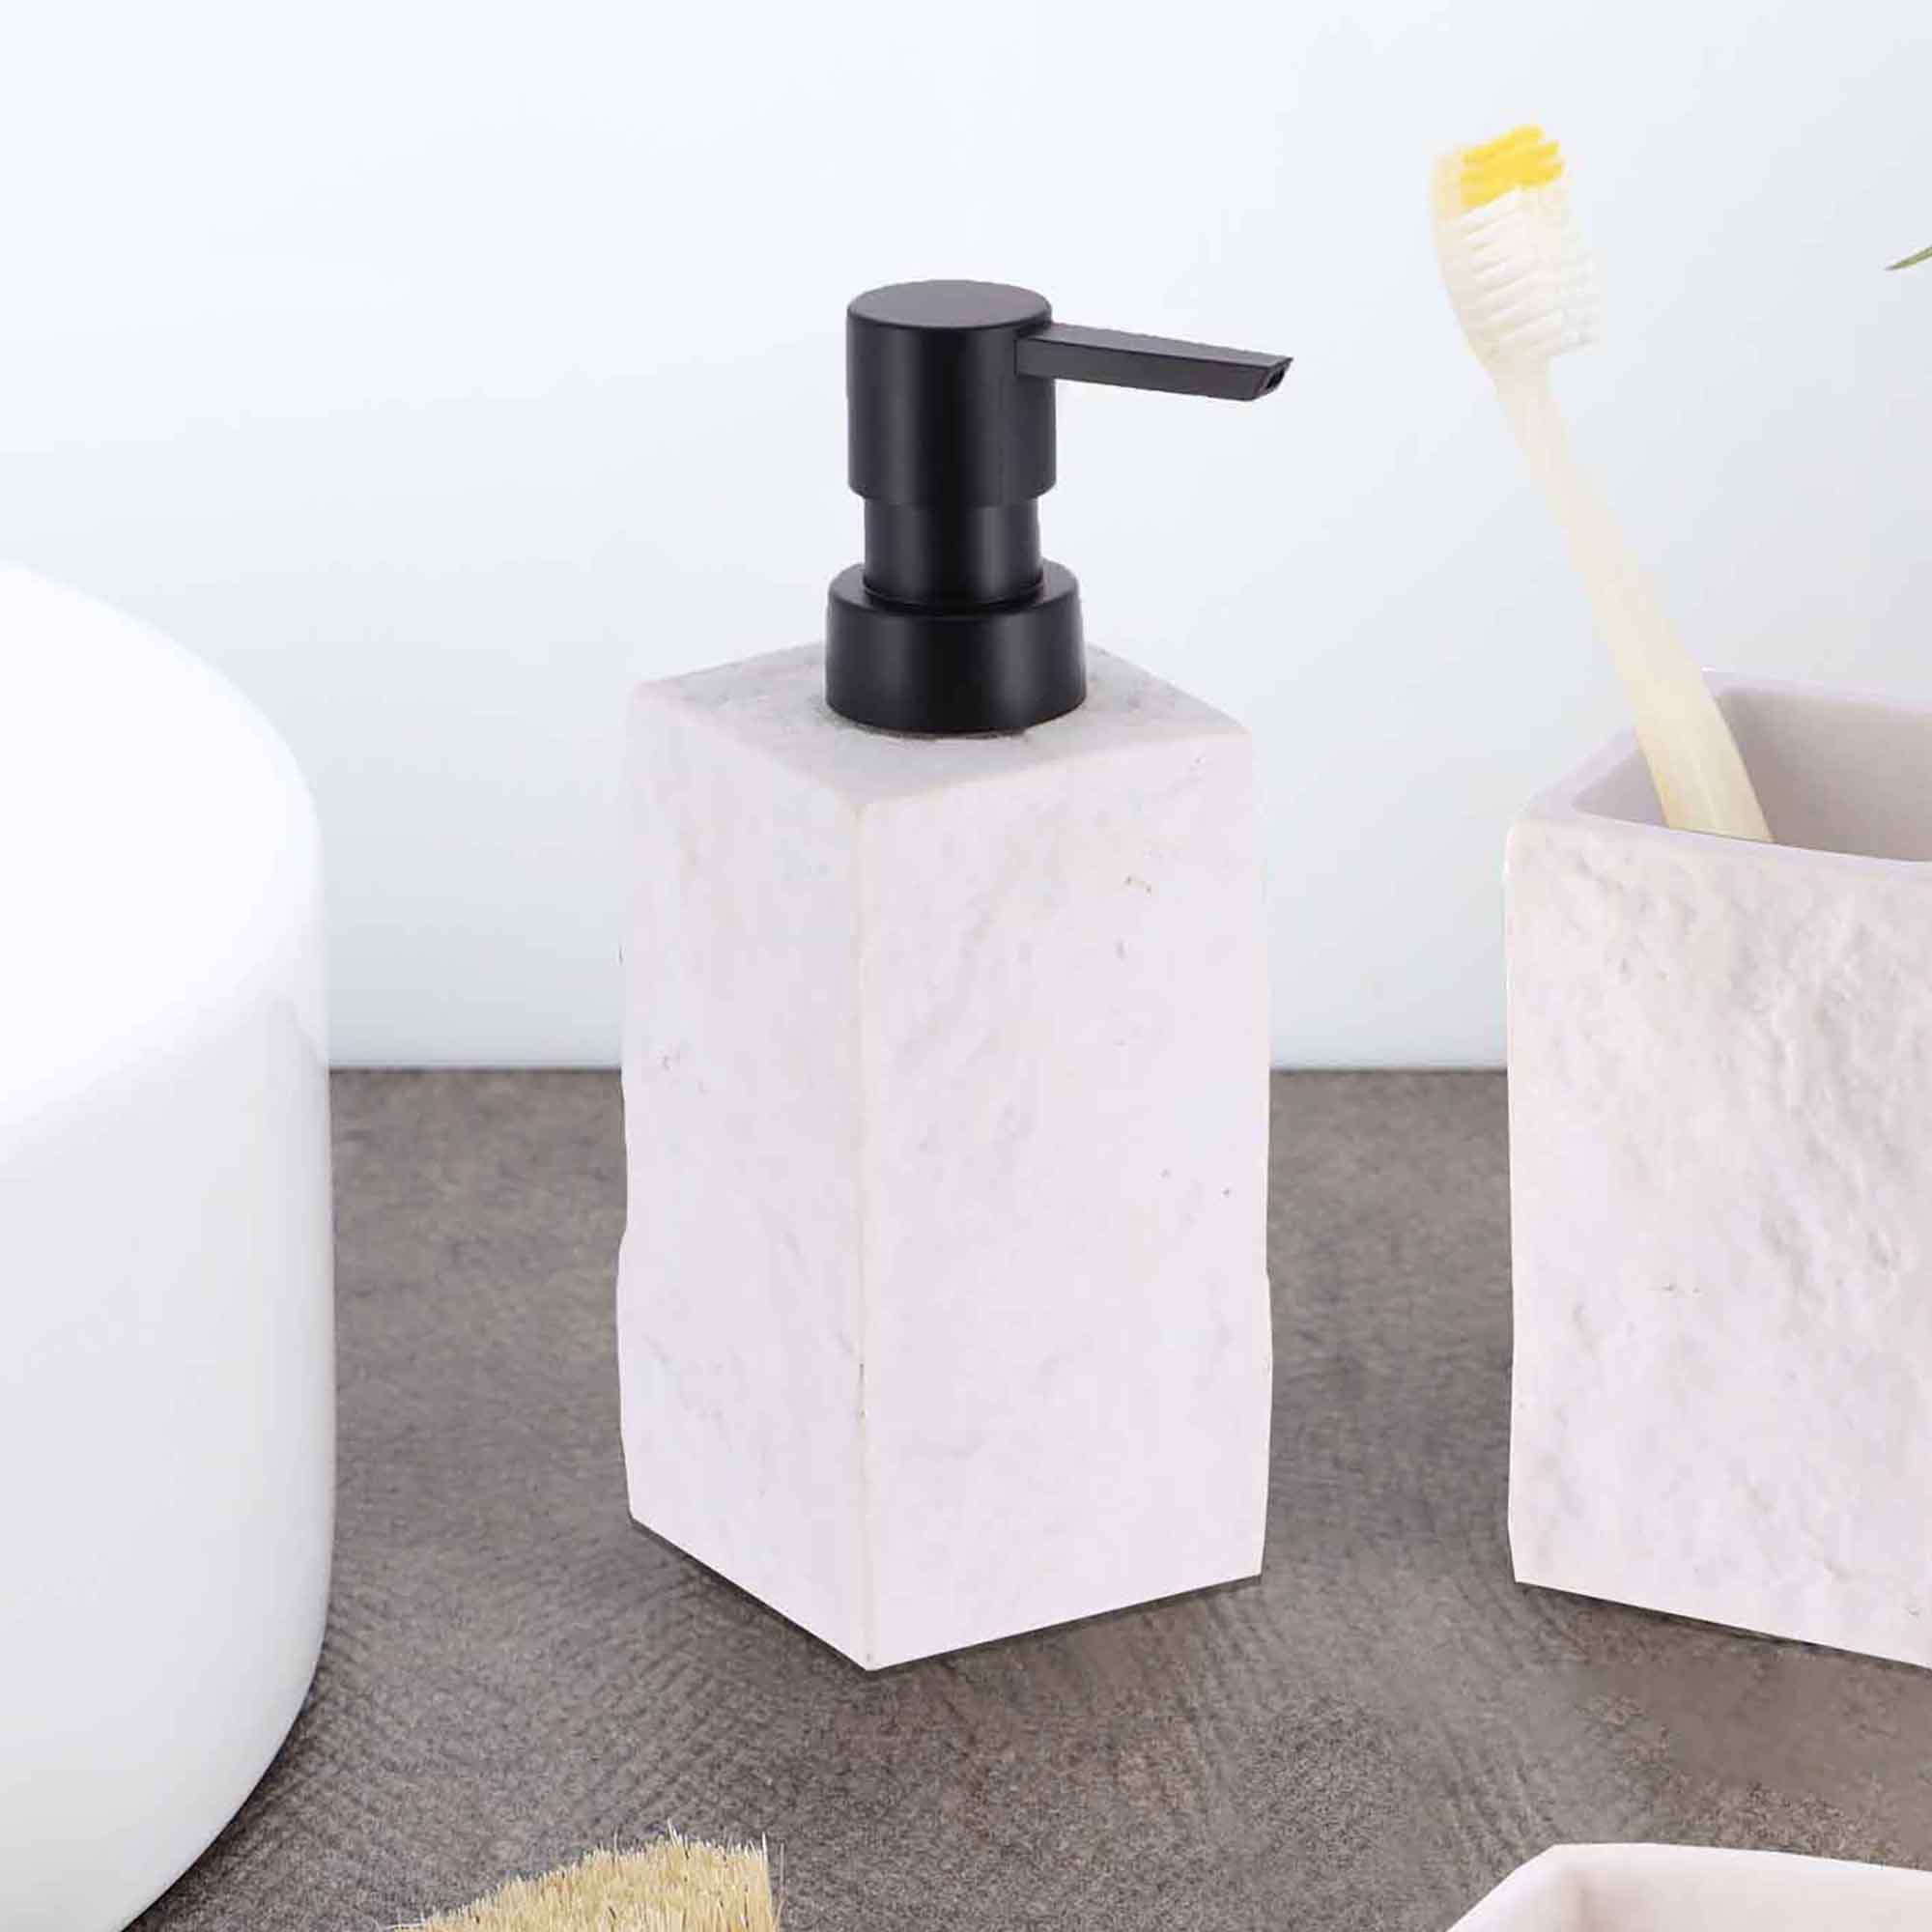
(942, 1305)
(943, 1313)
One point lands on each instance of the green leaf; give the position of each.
(1912, 261)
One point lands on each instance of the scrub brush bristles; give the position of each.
(678, 1885)
(1522, 283)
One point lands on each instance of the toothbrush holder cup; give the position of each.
(1720, 1175)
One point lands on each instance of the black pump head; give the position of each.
(954, 624)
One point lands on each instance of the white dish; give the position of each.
(1690, 1888)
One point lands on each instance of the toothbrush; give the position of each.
(1524, 288)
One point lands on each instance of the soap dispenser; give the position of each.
(943, 1309)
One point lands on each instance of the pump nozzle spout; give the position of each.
(1069, 354)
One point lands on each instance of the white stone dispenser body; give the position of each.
(943, 1306)
(1721, 1101)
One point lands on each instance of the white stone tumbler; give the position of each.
(943, 1307)
(1694, 1888)
(1720, 1110)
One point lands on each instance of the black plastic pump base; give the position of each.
(927, 671)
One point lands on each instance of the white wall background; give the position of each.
(439, 370)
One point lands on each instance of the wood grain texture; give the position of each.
(1367, 1737)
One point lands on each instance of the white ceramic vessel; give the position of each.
(1721, 1102)
(1690, 1888)
(166, 1340)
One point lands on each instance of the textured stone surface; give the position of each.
(1691, 1888)
(1721, 1062)
(943, 1306)
(1368, 1738)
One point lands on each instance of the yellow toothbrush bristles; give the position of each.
(1524, 158)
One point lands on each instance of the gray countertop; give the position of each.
(1369, 1735)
